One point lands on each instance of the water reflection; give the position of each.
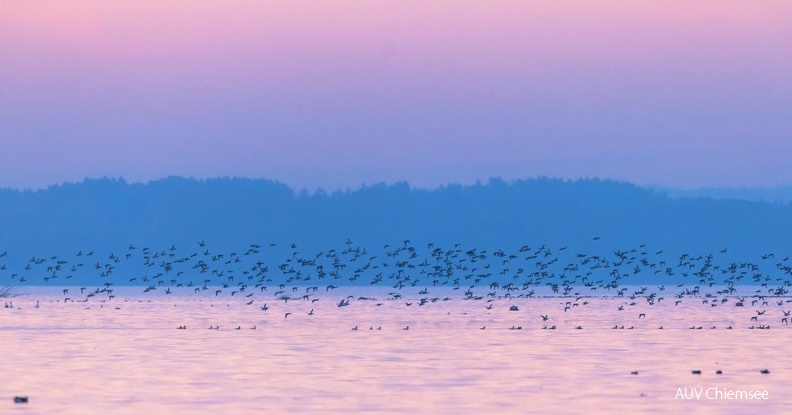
(127, 356)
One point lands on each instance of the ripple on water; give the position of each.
(73, 360)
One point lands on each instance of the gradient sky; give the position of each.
(339, 93)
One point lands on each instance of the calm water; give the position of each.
(126, 356)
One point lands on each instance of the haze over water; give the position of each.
(126, 355)
(217, 124)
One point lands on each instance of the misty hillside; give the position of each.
(781, 194)
(110, 214)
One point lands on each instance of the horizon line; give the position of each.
(478, 182)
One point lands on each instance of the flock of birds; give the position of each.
(263, 274)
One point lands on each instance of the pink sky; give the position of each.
(336, 93)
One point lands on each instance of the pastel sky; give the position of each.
(338, 93)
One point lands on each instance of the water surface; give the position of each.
(126, 356)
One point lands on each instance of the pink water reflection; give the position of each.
(79, 358)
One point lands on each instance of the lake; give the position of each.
(456, 356)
